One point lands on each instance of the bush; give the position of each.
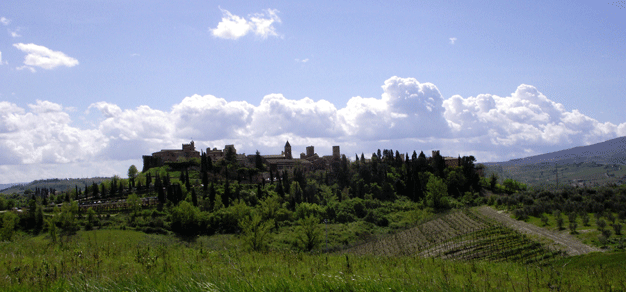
(544, 219)
(255, 232)
(520, 214)
(606, 233)
(585, 218)
(309, 234)
(186, 219)
(617, 228)
(572, 227)
(374, 216)
(601, 224)
(304, 210)
(9, 224)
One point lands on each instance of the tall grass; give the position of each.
(105, 260)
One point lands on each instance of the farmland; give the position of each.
(116, 260)
(461, 235)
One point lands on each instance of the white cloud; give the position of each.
(43, 135)
(45, 58)
(208, 117)
(302, 61)
(526, 119)
(408, 116)
(31, 69)
(277, 115)
(4, 20)
(233, 27)
(407, 109)
(14, 33)
(452, 40)
(263, 23)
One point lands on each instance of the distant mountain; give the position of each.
(595, 164)
(59, 184)
(6, 186)
(608, 152)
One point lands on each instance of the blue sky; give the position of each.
(87, 87)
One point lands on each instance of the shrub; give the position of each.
(304, 210)
(9, 224)
(572, 227)
(601, 224)
(585, 218)
(309, 234)
(617, 228)
(609, 217)
(606, 233)
(520, 214)
(559, 219)
(255, 232)
(603, 239)
(572, 216)
(186, 219)
(544, 219)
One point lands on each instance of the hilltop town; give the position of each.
(308, 161)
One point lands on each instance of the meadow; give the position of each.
(125, 260)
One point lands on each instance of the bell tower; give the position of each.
(288, 151)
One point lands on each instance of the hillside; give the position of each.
(590, 165)
(608, 152)
(61, 185)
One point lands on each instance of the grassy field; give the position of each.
(124, 260)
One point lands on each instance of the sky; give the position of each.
(88, 87)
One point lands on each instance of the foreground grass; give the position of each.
(114, 260)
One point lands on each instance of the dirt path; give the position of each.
(569, 243)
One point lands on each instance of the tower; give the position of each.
(336, 153)
(288, 151)
(310, 151)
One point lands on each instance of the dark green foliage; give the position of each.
(309, 233)
(194, 197)
(617, 228)
(186, 219)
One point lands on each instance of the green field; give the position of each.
(116, 260)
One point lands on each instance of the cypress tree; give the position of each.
(226, 195)
(194, 197)
(212, 196)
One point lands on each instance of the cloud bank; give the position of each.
(408, 116)
(260, 24)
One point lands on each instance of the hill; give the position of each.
(59, 184)
(596, 164)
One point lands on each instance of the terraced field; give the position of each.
(461, 235)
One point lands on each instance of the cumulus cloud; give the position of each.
(409, 115)
(526, 119)
(233, 27)
(4, 20)
(452, 40)
(40, 56)
(304, 118)
(208, 117)
(407, 108)
(43, 135)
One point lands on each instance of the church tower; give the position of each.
(288, 151)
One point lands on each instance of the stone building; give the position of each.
(170, 155)
(309, 161)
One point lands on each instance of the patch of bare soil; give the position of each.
(570, 244)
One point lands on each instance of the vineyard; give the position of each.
(461, 235)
